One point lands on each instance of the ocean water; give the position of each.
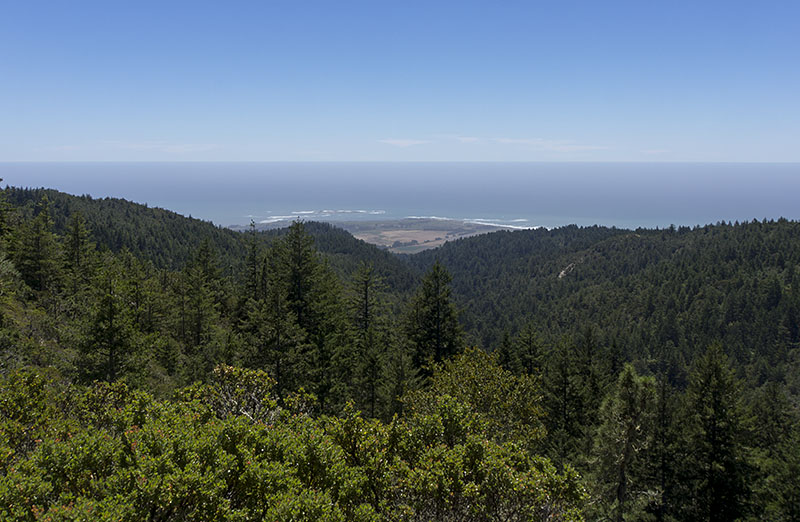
(511, 194)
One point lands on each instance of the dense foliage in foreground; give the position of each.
(659, 365)
(227, 451)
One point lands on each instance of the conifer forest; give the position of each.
(158, 367)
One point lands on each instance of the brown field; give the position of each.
(408, 236)
(404, 236)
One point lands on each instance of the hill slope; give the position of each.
(168, 239)
(161, 236)
(641, 289)
(709, 318)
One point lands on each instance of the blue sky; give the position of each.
(400, 81)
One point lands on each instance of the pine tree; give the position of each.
(506, 355)
(367, 311)
(4, 209)
(278, 340)
(622, 438)
(35, 249)
(591, 388)
(253, 258)
(777, 454)
(79, 262)
(334, 349)
(301, 270)
(109, 330)
(529, 350)
(667, 451)
(313, 297)
(201, 312)
(563, 404)
(432, 321)
(783, 499)
(400, 377)
(715, 432)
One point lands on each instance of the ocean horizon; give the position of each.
(514, 195)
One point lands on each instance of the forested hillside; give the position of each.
(168, 240)
(158, 367)
(163, 237)
(643, 291)
(345, 253)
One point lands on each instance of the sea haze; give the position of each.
(511, 194)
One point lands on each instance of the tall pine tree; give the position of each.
(368, 317)
(623, 437)
(715, 431)
(35, 249)
(432, 322)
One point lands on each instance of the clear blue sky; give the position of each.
(393, 81)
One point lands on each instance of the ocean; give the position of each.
(521, 195)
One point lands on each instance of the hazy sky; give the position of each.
(389, 80)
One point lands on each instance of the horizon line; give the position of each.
(518, 162)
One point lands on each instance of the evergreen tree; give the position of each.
(35, 249)
(313, 297)
(623, 437)
(78, 254)
(77, 247)
(589, 378)
(529, 350)
(4, 209)
(563, 404)
(667, 451)
(776, 488)
(782, 496)
(400, 377)
(278, 340)
(506, 356)
(206, 259)
(301, 270)
(367, 311)
(715, 433)
(108, 340)
(253, 259)
(200, 307)
(432, 322)
(334, 349)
